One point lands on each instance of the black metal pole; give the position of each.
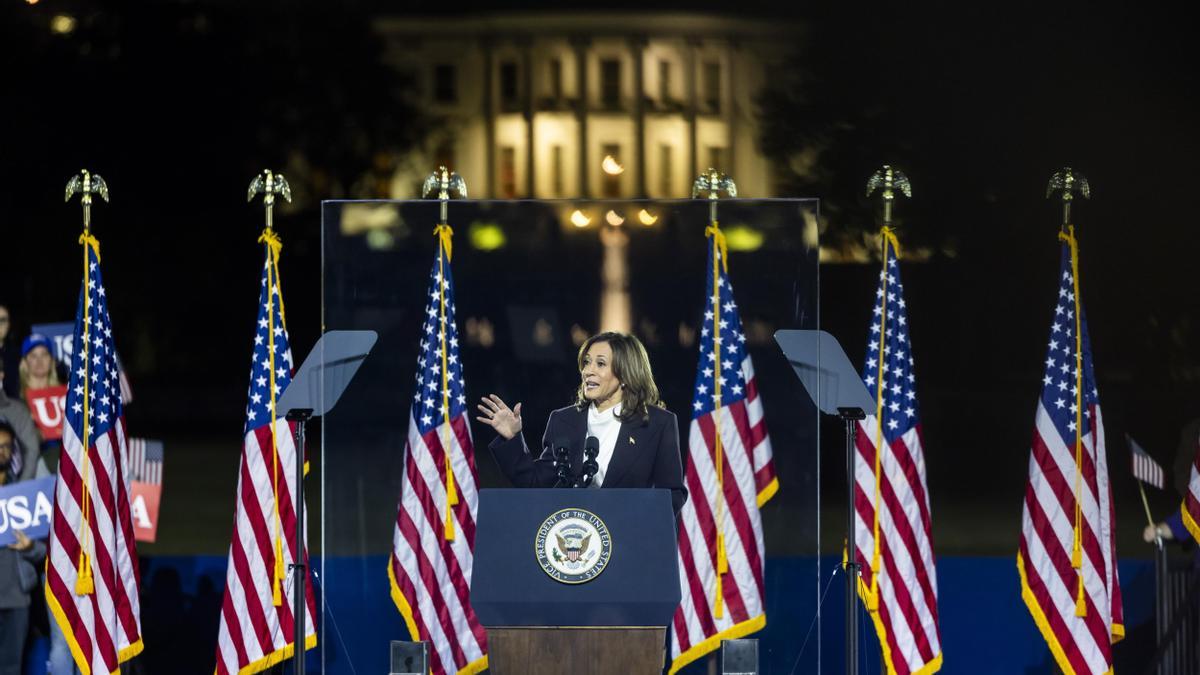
(1160, 601)
(851, 416)
(300, 417)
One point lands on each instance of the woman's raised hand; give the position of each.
(506, 421)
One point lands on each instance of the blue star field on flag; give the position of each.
(428, 402)
(1059, 392)
(270, 326)
(721, 328)
(94, 361)
(899, 382)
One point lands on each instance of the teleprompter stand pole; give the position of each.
(836, 388)
(313, 392)
(299, 567)
(851, 417)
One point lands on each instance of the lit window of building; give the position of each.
(528, 106)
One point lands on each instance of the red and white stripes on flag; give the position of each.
(730, 475)
(1191, 502)
(1067, 558)
(92, 566)
(1143, 465)
(434, 539)
(255, 632)
(145, 460)
(894, 543)
(257, 624)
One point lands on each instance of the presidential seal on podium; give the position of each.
(573, 546)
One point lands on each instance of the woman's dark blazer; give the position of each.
(646, 454)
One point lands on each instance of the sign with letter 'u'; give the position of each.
(46, 405)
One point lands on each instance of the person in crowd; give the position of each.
(617, 403)
(8, 352)
(1173, 529)
(37, 369)
(18, 569)
(14, 413)
(60, 661)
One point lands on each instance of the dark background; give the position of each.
(179, 104)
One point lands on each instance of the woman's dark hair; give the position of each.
(631, 365)
(7, 428)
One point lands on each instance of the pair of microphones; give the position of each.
(562, 463)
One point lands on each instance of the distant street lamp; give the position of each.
(579, 220)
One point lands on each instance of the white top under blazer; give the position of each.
(606, 428)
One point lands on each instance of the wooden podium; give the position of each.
(579, 651)
(607, 615)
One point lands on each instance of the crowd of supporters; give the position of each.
(24, 455)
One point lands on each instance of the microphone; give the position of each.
(562, 461)
(591, 448)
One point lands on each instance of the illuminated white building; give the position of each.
(528, 105)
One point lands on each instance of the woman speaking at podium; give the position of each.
(617, 422)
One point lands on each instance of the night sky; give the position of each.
(179, 104)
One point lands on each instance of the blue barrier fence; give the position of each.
(984, 623)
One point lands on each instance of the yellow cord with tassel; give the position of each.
(274, 245)
(1077, 545)
(888, 237)
(721, 251)
(84, 582)
(444, 233)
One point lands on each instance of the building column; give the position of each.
(581, 110)
(489, 116)
(638, 46)
(691, 46)
(527, 76)
(731, 105)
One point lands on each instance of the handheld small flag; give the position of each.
(1143, 465)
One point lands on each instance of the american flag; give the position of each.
(434, 540)
(145, 461)
(894, 544)
(1143, 465)
(92, 568)
(257, 624)
(1067, 558)
(721, 568)
(1191, 502)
